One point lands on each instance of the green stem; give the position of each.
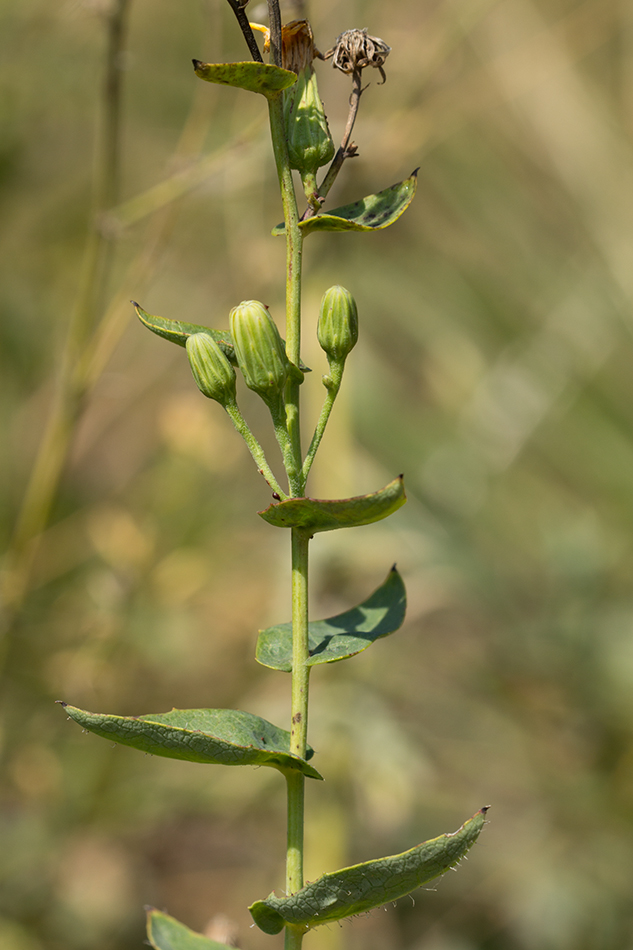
(336, 373)
(309, 182)
(293, 937)
(345, 150)
(277, 409)
(299, 711)
(294, 249)
(300, 539)
(254, 448)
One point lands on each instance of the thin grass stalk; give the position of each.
(53, 451)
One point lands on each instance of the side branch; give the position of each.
(274, 22)
(238, 9)
(345, 150)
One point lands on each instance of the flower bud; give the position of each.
(259, 349)
(310, 144)
(211, 370)
(337, 329)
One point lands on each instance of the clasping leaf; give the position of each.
(342, 636)
(362, 887)
(371, 213)
(214, 736)
(176, 331)
(264, 78)
(316, 514)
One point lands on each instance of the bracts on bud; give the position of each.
(337, 329)
(310, 144)
(211, 369)
(259, 349)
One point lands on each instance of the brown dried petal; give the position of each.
(297, 44)
(356, 49)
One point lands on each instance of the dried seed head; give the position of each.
(356, 49)
(297, 44)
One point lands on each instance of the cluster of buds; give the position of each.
(310, 145)
(259, 351)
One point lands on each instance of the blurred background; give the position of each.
(494, 369)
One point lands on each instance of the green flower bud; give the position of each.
(211, 369)
(337, 329)
(310, 144)
(259, 349)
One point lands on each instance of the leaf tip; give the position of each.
(414, 173)
(61, 702)
(197, 63)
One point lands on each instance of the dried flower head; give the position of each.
(297, 44)
(356, 49)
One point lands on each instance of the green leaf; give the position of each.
(264, 78)
(315, 514)
(177, 332)
(342, 636)
(215, 736)
(167, 933)
(365, 886)
(369, 214)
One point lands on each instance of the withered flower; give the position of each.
(356, 49)
(297, 44)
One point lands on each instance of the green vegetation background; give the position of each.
(495, 369)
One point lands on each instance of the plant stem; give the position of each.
(294, 249)
(280, 424)
(345, 150)
(300, 538)
(336, 374)
(299, 719)
(254, 447)
(274, 22)
(240, 12)
(300, 668)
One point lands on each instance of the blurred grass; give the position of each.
(493, 369)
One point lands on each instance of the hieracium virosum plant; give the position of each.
(272, 367)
